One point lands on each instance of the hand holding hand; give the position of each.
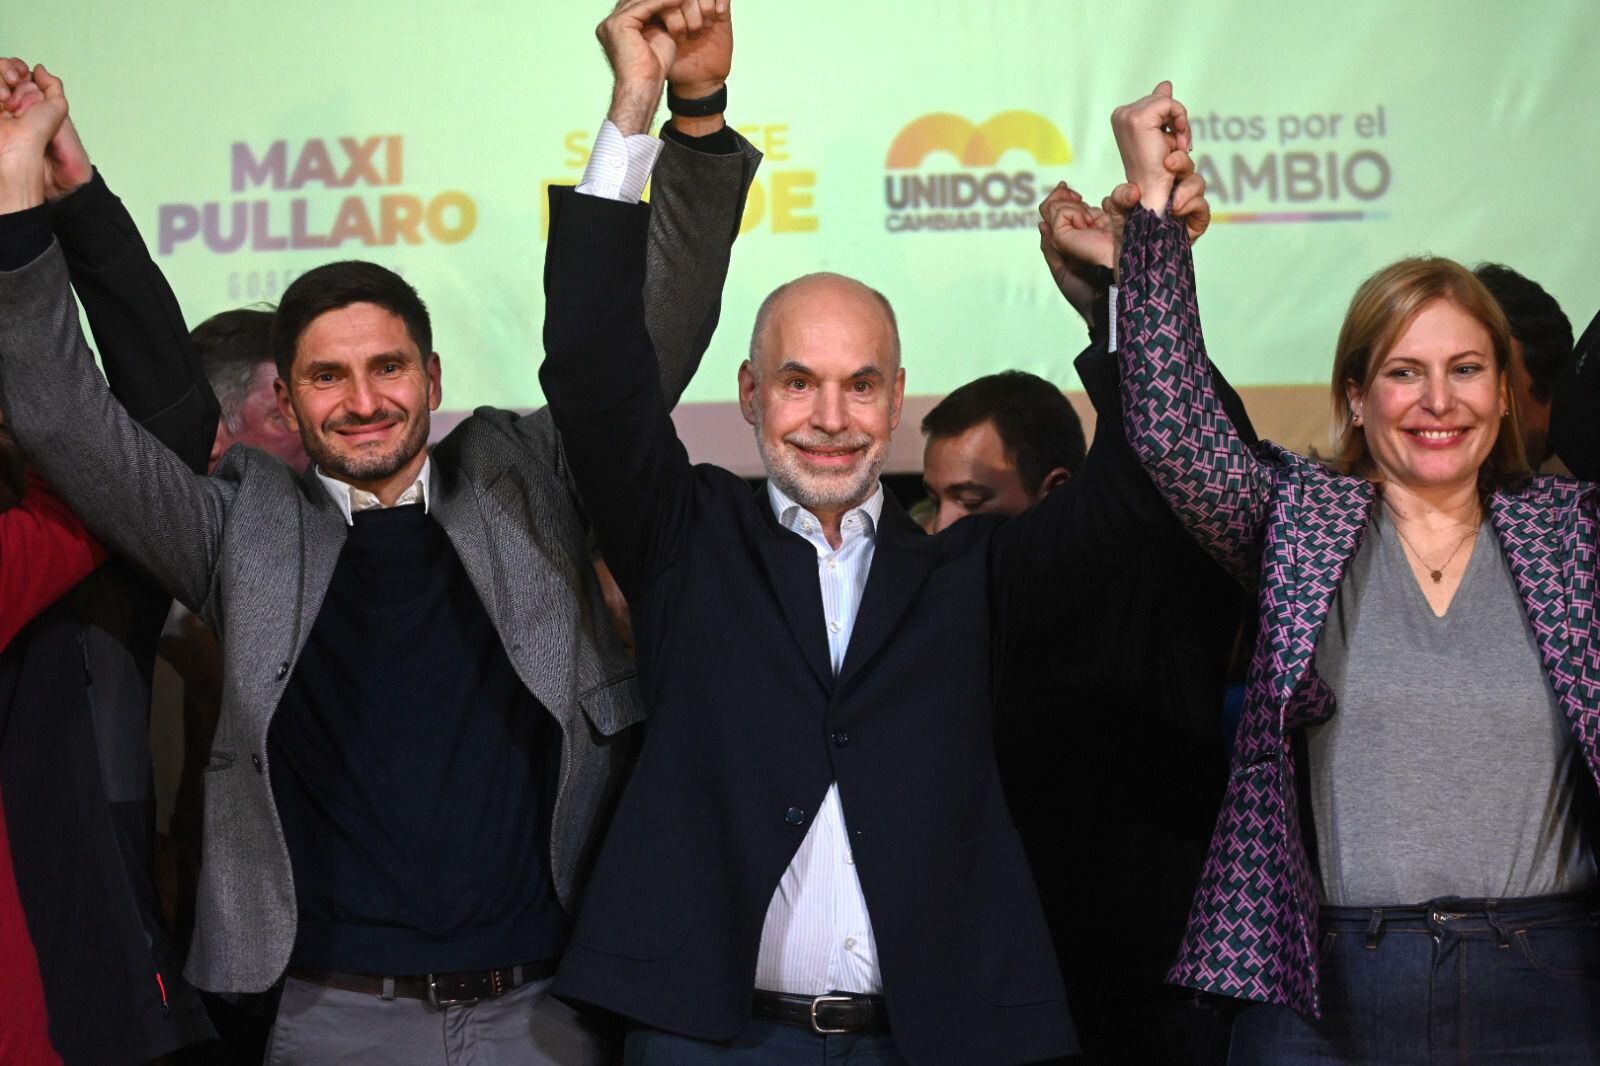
(1076, 241)
(67, 165)
(24, 135)
(1189, 202)
(641, 39)
(1148, 132)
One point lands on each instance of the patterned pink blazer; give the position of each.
(1290, 527)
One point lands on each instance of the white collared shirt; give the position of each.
(351, 499)
(817, 936)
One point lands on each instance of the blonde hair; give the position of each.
(1381, 310)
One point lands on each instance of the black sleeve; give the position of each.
(24, 237)
(145, 350)
(722, 142)
(600, 379)
(1575, 411)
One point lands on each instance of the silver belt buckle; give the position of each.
(817, 1001)
(439, 1002)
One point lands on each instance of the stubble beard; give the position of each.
(822, 492)
(365, 467)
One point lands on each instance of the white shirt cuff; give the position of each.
(619, 167)
(1111, 310)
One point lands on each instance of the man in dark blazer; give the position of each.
(815, 832)
(261, 554)
(1110, 730)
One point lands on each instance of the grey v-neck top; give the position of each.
(1447, 768)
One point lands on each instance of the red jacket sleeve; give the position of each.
(44, 551)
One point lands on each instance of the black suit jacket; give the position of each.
(748, 722)
(1575, 411)
(1109, 691)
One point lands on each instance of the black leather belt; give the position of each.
(439, 989)
(836, 1012)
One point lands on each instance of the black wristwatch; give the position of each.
(701, 107)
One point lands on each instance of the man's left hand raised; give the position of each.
(67, 166)
(643, 40)
(24, 136)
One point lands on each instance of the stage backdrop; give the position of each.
(907, 143)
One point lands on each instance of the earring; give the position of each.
(1355, 418)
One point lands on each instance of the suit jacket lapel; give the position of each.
(454, 506)
(1333, 517)
(1533, 550)
(791, 565)
(901, 560)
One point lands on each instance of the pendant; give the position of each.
(1437, 575)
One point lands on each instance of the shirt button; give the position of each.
(794, 816)
(840, 739)
(833, 564)
(849, 858)
(849, 943)
(283, 671)
(806, 526)
(255, 760)
(834, 627)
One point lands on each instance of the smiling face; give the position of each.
(359, 394)
(823, 389)
(1432, 408)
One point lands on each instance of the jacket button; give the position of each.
(794, 816)
(283, 670)
(841, 739)
(255, 760)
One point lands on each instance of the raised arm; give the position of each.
(700, 180)
(608, 391)
(1176, 422)
(145, 349)
(1119, 500)
(136, 496)
(144, 346)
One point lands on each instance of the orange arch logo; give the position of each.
(979, 146)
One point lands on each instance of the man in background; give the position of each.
(236, 353)
(998, 445)
(1541, 351)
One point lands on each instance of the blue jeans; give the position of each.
(1448, 983)
(763, 1044)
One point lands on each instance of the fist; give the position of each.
(1148, 132)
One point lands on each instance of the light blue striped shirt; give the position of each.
(818, 937)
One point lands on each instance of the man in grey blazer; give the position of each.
(422, 696)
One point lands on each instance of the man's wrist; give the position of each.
(633, 107)
(21, 184)
(697, 90)
(698, 127)
(697, 107)
(66, 185)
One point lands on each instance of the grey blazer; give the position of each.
(252, 550)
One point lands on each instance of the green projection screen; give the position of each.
(906, 143)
